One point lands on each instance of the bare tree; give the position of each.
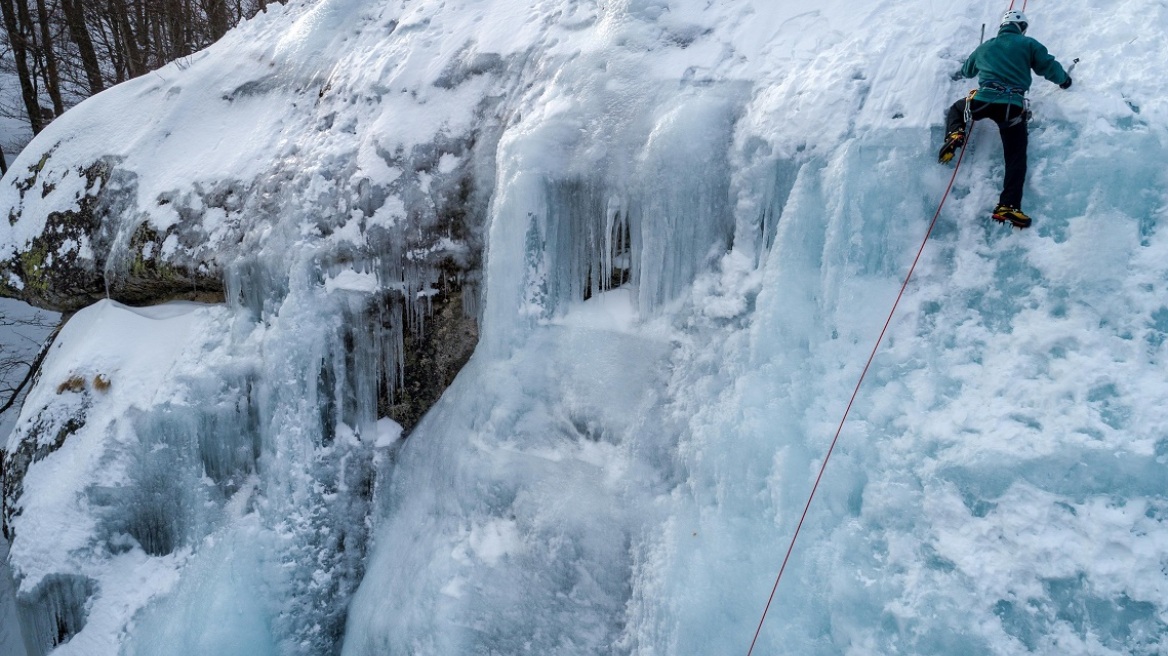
(18, 40)
(21, 353)
(45, 49)
(74, 15)
(66, 50)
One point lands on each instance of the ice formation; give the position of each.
(690, 220)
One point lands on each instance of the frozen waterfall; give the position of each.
(676, 227)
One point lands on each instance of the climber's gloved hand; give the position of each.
(957, 75)
(1067, 84)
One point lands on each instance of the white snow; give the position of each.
(611, 310)
(388, 432)
(351, 280)
(622, 474)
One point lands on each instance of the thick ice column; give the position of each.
(516, 272)
(681, 205)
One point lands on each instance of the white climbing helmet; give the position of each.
(1015, 16)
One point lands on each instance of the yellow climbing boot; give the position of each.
(1014, 215)
(954, 141)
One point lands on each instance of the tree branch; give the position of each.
(33, 368)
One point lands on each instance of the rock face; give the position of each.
(333, 208)
(105, 246)
(143, 196)
(64, 268)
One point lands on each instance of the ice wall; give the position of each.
(199, 453)
(11, 639)
(509, 525)
(693, 218)
(999, 488)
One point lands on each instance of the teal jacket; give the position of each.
(1002, 66)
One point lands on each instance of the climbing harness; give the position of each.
(1005, 88)
(1009, 91)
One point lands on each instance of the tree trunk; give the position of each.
(52, 77)
(218, 19)
(79, 32)
(119, 13)
(109, 34)
(141, 30)
(28, 92)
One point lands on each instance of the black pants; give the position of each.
(1011, 121)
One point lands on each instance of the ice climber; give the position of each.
(1002, 66)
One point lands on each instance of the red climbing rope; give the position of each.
(856, 391)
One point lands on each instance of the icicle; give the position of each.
(54, 611)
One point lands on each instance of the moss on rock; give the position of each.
(72, 263)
